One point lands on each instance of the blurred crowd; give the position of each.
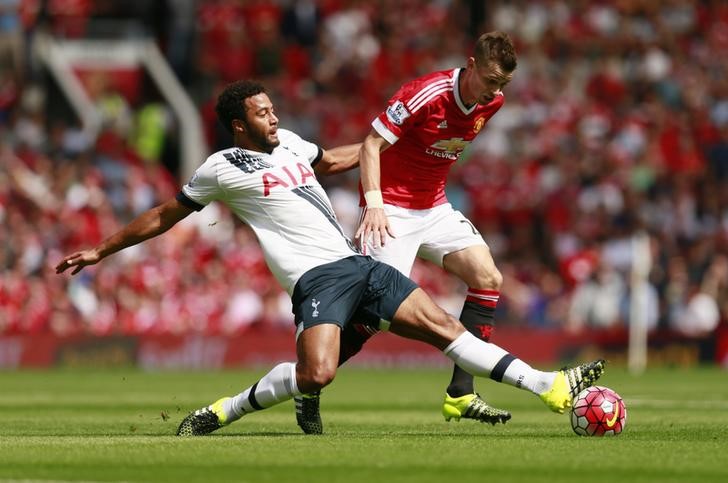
(615, 125)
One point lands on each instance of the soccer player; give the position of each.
(404, 164)
(267, 179)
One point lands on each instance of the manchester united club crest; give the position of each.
(479, 125)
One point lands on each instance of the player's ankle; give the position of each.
(459, 390)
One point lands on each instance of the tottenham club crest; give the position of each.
(315, 304)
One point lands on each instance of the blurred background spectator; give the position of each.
(616, 122)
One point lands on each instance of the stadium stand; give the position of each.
(616, 122)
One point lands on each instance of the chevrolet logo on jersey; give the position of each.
(452, 145)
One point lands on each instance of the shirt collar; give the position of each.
(456, 92)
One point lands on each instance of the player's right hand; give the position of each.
(376, 225)
(78, 260)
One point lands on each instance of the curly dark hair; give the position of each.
(231, 101)
(496, 47)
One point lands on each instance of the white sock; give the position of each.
(521, 375)
(474, 355)
(277, 386)
(488, 360)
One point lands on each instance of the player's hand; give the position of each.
(78, 260)
(376, 225)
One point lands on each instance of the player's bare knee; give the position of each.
(488, 278)
(496, 279)
(315, 377)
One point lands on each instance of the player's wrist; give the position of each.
(374, 199)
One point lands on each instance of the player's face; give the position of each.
(485, 81)
(261, 123)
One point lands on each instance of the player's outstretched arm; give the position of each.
(374, 223)
(149, 224)
(339, 159)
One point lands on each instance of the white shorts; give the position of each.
(429, 234)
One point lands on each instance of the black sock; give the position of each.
(478, 320)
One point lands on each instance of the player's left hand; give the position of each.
(376, 225)
(78, 260)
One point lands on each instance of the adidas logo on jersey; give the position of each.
(442, 125)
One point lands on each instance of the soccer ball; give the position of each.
(598, 411)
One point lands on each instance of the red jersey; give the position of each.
(428, 127)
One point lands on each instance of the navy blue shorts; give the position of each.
(356, 287)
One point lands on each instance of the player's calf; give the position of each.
(308, 406)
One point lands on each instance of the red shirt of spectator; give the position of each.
(69, 17)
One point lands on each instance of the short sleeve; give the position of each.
(402, 113)
(312, 152)
(203, 187)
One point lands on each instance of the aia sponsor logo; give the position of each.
(286, 177)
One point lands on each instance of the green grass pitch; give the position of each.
(381, 426)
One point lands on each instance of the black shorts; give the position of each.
(355, 287)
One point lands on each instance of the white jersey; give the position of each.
(279, 197)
